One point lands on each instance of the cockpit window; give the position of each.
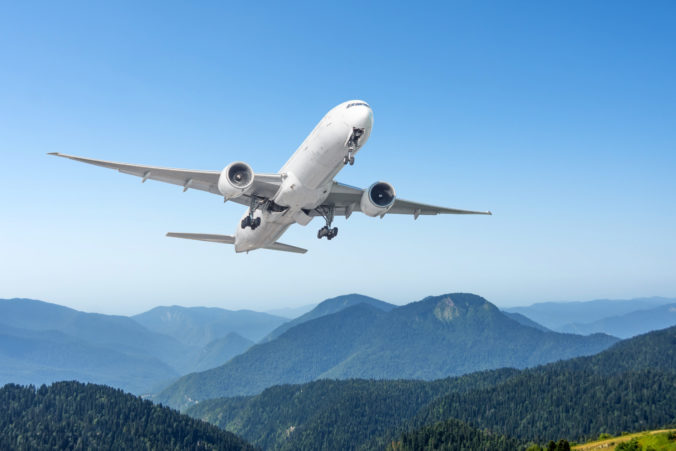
(350, 105)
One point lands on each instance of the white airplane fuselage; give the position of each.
(308, 174)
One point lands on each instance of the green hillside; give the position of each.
(631, 386)
(434, 338)
(71, 415)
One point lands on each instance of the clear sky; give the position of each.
(560, 117)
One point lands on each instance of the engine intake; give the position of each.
(235, 179)
(378, 199)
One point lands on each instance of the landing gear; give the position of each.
(327, 231)
(250, 221)
(352, 144)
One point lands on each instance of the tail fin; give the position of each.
(227, 239)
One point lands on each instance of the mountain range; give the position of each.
(437, 337)
(41, 343)
(629, 387)
(559, 315)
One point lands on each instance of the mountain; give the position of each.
(433, 338)
(199, 326)
(302, 354)
(220, 351)
(629, 387)
(117, 332)
(555, 315)
(71, 415)
(629, 324)
(42, 343)
(42, 357)
(328, 307)
(291, 312)
(450, 435)
(525, 321)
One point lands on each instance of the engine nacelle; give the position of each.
(235, 179)
(378, 199)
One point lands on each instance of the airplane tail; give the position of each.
(228, 239)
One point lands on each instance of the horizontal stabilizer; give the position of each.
(227, 239)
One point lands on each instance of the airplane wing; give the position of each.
(265, 185)
(346, 199)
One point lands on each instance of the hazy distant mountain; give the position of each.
(43, 357)
(524, 320)
(220, 351)
(329, 307)
(199, 326)
(555, 315)
(291, 312)
(119, 333)
(629, 324)
(436, 337)
(42, 342)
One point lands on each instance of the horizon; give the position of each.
(314, 304)
(556, 117)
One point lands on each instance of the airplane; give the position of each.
(303, 189)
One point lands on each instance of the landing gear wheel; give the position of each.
(256, 223)
(246, 222)
(346, 160)
(321, 233)
(351, 159)
(332, 233)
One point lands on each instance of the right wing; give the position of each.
(346, 199)
(265, 185)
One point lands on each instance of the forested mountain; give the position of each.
(433, 338)
(453, 435)
(333, 414)
(631, 386)
(71, 415)
(629, 324)
(199, 326)
(557, 315)
(328, 307)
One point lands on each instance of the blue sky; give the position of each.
(560, 117)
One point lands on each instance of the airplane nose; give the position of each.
(365, 119)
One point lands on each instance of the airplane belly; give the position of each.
(273, 225)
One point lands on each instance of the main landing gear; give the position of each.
(327, 231)
(250, 221)
(352, 144)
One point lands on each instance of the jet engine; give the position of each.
(378, 199)
(235, 179)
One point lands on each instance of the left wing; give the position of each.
(265, 185)
(346, 199)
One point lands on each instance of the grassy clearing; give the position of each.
(658, 440)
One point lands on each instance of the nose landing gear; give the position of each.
(327, 214)
(352, 144)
